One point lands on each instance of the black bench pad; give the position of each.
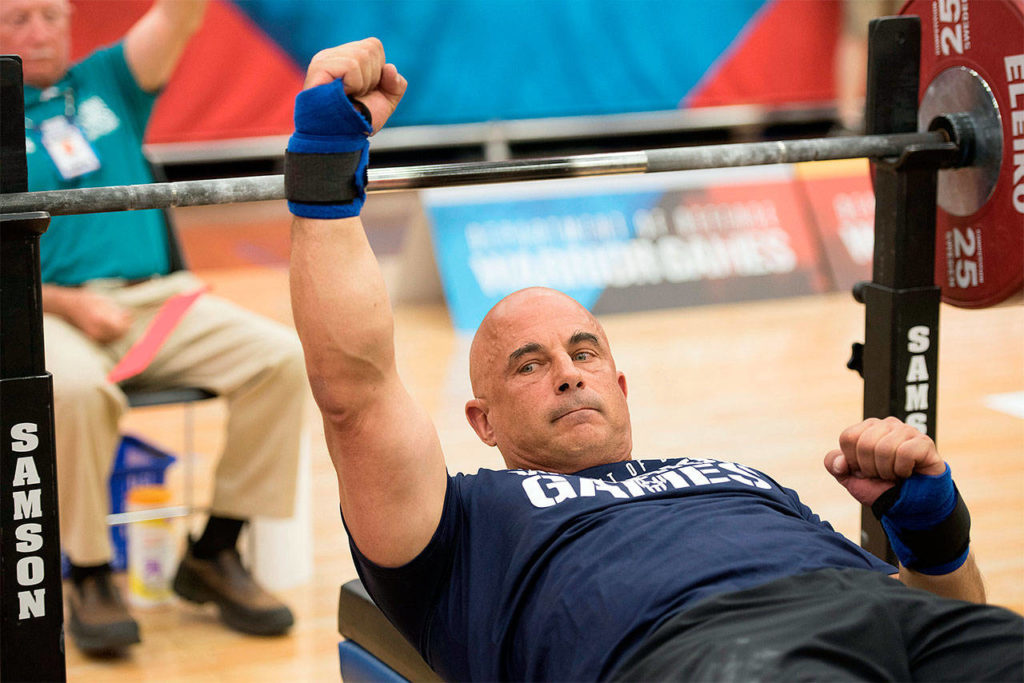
(362, 622)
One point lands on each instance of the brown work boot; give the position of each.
(244, 605)
(100, 622)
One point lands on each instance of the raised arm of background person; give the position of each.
(155, 43)
(872, 455)
(391, 471)
(152, 48)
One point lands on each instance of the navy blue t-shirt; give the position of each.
(534, 576)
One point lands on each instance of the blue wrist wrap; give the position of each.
(927, 523)
(326, 160)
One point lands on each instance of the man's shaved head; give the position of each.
(546, 390)
(505, 313)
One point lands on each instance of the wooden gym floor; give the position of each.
(762, 383)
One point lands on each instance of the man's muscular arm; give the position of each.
(391, 471)
(876, 454)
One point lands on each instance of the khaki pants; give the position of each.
(254, 363)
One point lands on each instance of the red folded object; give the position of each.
(141, 354)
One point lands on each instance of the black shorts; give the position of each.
(832, 625)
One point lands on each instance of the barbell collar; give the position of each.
(262, 188)
(960, 130)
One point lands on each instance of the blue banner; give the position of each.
(625, 243)
(482, 60)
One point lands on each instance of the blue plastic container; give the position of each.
(137, 463)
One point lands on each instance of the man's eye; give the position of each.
(581, 355)
(527, 369)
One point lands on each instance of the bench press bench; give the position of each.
(373, 650)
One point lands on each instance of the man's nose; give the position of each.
(569, 376)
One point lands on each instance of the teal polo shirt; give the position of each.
(101, 96)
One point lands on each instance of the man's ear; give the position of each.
(476, 413)
(622, 383)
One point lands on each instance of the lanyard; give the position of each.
(52, 93)
(63, 139)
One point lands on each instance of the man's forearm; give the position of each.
(962, 584)
(341, 310)
(339, 301)
(186, 15)
(156, 42)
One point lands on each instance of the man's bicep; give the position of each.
(391, 476)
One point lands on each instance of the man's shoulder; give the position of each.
(101, 59)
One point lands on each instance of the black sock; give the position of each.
(220, 534)
(80, 573)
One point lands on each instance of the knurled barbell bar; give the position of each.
(257, 188)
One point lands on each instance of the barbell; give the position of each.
(980, 218)
(258, 188)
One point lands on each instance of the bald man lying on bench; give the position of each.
(578, 562)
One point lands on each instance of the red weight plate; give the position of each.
(972, 54)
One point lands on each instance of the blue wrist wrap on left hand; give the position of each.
(327, 156)
(927, 523)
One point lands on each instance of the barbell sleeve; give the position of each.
(271, 187)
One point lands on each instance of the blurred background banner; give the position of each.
(629, 243)
(841, 202)
(485, 60)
